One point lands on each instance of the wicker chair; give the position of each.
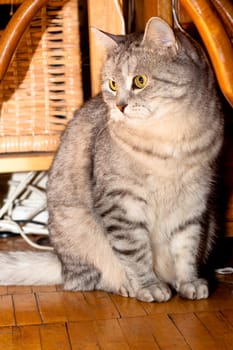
(40, 87)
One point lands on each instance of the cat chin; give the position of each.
(116, 115)
(130, 116)
(141, 113)
(137, 116)
(138, 120)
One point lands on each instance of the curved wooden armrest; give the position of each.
(216, 40)
(225, 10)
(15, 29)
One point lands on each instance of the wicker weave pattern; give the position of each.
(42, 87)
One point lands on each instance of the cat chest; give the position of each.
(172, 201)
(157, 193)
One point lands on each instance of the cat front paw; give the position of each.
(197, 289)
(127, 291)
(159, 292)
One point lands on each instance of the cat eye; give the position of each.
(139, 81)
(112, 85)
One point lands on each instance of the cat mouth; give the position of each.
(141, 113)
(130, 116)
(137, 116)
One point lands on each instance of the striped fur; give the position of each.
(130, 193)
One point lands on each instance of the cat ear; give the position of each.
(159, 33)
(106, 40)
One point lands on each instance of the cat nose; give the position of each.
(122, 107)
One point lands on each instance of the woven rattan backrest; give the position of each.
(42, 86)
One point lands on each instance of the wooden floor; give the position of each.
(48, 318)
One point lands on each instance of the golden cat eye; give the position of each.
(112, 85)
(139, 81)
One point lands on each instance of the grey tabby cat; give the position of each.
(131, 186)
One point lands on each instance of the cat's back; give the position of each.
(74, 155)
(91, 116)
(83, 127)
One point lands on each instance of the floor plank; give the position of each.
(215, 322)
(166, 334)
(219, 327)
(6, 338)
(101, 305)
(49, 318)
(228, 314)
(19, 289)
(45, 289)
(3, 290)
(101, 334)
(110, 335)
(128, 307)
(7, 317)
(137, 333)
(83, 335)
(52, 307)
(26, 338)
(195, 333)
(76, 306)
(54, 337)
(26, 309)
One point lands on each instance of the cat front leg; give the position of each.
(185, 249)
(88, 259)
(131, 244)
(146, 284)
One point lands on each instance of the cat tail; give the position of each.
(30, 268)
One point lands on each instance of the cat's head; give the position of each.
(145, 73)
